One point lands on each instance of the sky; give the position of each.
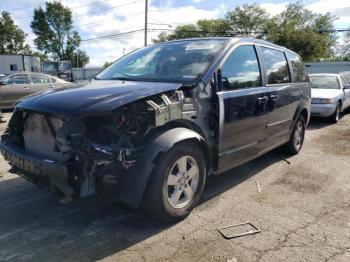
(95, 18)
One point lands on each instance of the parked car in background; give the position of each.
(160, 119)
(346, 76)
(16, 86)
(2, 76)
(330, 95)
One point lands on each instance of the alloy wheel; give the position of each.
(299, 135)
(182, 182)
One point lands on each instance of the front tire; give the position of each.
(176, 184)
(297, 137)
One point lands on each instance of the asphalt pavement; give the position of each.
(301, 204)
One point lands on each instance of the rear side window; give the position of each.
(241, 69)
(298, 68)
(276, 66)
(39, 79)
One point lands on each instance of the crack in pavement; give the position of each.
(282, 245)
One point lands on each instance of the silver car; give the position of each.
(16, 86)
(330, 95)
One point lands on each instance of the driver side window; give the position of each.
(241, 69)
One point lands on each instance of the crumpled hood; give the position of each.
(96, 97)
(325, 93)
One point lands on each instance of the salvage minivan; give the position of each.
(161, 119)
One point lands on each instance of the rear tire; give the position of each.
(296, 140)
(335, 117)
(176, 184)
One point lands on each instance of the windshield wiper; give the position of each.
(123, 77)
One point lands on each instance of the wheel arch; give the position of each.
(340, 101)
(303, 111)
(304, 114)
(133, 183)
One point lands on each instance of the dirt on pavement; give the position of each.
(303, 211)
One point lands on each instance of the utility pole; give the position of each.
(146, 20)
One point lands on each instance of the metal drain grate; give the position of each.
(238, 230)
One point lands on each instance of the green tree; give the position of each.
(307, 33)
(181, 32)
(80, 59)
(107, 64)
(213, 27)
(12, 38)
(244, 19)
(343, 52)
(303, 31)
(55, 35)
(248, 19)
(203, 28)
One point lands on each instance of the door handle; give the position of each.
(274, 97)
(26, 88)
(262, 99)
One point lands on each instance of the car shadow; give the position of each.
(317, 123)
(35, 226)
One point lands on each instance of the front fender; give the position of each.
(134, 183)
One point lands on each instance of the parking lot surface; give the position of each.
(302, 209)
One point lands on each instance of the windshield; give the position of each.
(324, 82)
(181, 62)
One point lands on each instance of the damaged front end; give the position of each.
(72, 154)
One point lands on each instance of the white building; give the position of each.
(17, 63)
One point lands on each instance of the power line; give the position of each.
(114, 7)
(160, 24)
(90, 3)
(117, 31)
(112, 35)
(23, 7)
(98, 22)
(77, 7)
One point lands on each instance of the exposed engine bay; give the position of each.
(91, 147)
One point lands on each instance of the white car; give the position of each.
(330, 95)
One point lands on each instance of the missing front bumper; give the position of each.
(44, 172)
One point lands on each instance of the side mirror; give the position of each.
(346, 86)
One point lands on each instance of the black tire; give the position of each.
(336, 115)
(156, 197)
(293, 146)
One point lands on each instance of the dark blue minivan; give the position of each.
(161, 119)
